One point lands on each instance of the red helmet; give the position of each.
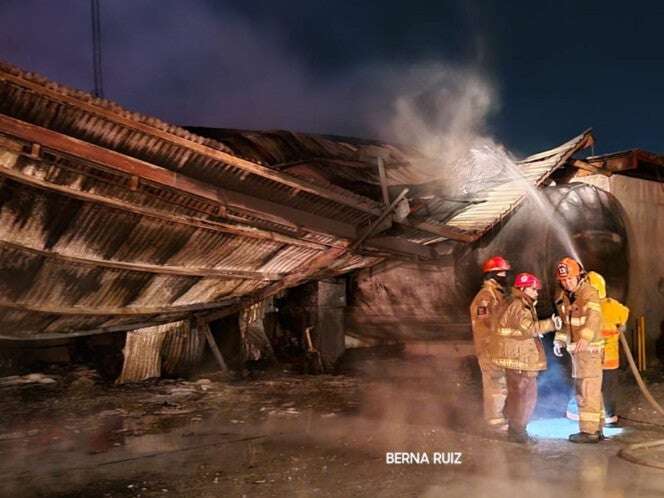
(523, 280)
(496, 263)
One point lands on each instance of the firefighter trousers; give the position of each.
(521, 398)
(494, 391)
(587, 373)
(609, 391)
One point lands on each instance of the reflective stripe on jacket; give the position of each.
(482, 311)
(582, 317)
(517, 344)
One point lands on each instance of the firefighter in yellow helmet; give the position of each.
(482, 315)
(614, 318)
(518, 349)
(579, 307)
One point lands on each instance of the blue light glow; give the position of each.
(561, 428)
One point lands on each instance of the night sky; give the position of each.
(557, 68)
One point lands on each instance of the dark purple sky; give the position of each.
(337, 67)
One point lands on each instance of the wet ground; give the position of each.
(67, 433)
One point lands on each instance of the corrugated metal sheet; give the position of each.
(142, 353)
(501, 199)
(28, 98)
(182, 348)
(85, 247)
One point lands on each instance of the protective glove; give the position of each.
(558, 348)
(557, 322)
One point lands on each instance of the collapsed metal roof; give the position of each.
(635, 162)
(110, 220)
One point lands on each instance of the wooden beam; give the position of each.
(204, 328)
(383, 181)
(400, 245)
(117, 311)
(337, 229)
(372, 228)
(109, 159)
(240, 230)
(145, 268)
(583, 165)
(347, 199)
(446, 231)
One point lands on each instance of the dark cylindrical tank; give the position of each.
(534, 239)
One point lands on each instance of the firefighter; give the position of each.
(482, 314)
(518, 349)
(614, 318)
(579, 307)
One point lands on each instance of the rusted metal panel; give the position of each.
(92, 121)
(110, 220)
(182, 348)
(147, 139)
(142, 354)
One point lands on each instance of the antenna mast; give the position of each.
(96, 50)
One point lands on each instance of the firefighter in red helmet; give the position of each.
(482, 313)
(518, 349)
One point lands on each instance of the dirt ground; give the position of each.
(67, 433)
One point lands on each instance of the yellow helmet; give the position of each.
(597, 281)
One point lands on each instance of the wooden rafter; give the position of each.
(240, 230)
(145, 268)
(119, 310)
(108, 159)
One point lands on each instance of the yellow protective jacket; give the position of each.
(581, 315)
(614, 315)
(517, 344)
(482, 314)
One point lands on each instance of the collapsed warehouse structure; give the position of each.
(114, 222)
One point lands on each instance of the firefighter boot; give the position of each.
(587, 437)
(521, 437)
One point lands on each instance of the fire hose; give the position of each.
(628, 452)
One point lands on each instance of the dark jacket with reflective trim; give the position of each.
(517, 344)
(581, 315)
(482, 314)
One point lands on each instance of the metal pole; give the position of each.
(96, 49)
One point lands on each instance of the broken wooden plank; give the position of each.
(386, 212)
(383, 181)
(204, 328)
